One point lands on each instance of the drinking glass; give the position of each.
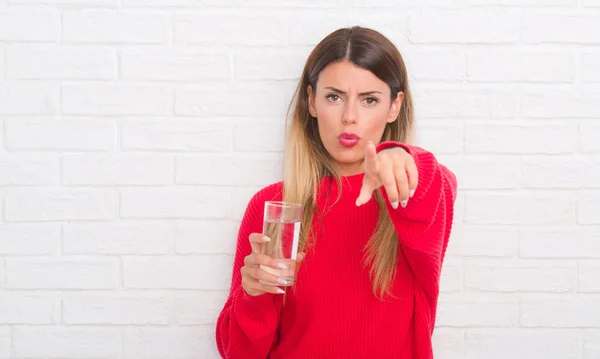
(281, 224)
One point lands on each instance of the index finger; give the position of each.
(257, 241)
(371, 163)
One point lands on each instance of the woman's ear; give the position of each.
(311, 101)
(396, 106)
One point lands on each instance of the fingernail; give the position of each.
(266, 239)
(357, 203)
(280, 291)
(395, 204)
(411, 193)
(403, 203)
(281, 266)
(281, 281)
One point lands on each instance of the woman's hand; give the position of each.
(393, 168)
(252, 273)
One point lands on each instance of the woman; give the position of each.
(376, 221)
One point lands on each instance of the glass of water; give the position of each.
(282, 225)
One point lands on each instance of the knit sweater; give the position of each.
(332, 312)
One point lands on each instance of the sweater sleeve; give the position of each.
(424, 225)
(247, 325)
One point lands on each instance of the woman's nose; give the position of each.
(350, 114)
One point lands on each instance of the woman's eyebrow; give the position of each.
(360, 94)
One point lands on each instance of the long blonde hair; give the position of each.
(306, 161)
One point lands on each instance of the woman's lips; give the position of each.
(348, 139)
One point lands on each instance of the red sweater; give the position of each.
(332, 312)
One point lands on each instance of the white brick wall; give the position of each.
(133, 133)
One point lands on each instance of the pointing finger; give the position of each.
(371, 163)
(366, 192)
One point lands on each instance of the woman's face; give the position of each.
(352, 107)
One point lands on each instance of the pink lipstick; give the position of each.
(348, 139)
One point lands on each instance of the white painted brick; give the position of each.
(117, 169)
(564, 312)
(310, 30)
(433, 64)
(525, 276)
(514, 208)
(590, 2)
(50, 273)
(539, 28)
(178, 3)
(522, 343)
(118, 238)
(25, 239)
(27, 98)
(270, 64)
(111, 26)
(520, 66)
(483, 172)
(591, 343)
(60, 204)
(160, 343)
(174, 64)
(68, 134)
(452, 276)
(28, 170)
(561, 103)
(466, 102)
(117, 309)
(5, 342)
(590, 66)
(259, 135)
(450, 4)
(484, 241)
(458, 310)
(28, 309)
(290, 3)
(567, 242)
(540, 3)
(61, 62)
(559, 172)
(2, 60)
(589, 277)
(29, 25)
(473, 26)
(200, 308)
(115, 99)
(234, 100)
(588, 209)
(67, 343)
(374, 3)
(441, 138)
(525, 139)
(448, 343)
(183, 203)
(232, 29)
(2, 274)
(208, 272)
(176, 134)
(589, 138)
(206, 237)
(220, 169)
(240, 198)
(66, 2)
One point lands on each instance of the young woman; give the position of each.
(377, 215)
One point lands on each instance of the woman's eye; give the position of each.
(371, 100)
(333, 97)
